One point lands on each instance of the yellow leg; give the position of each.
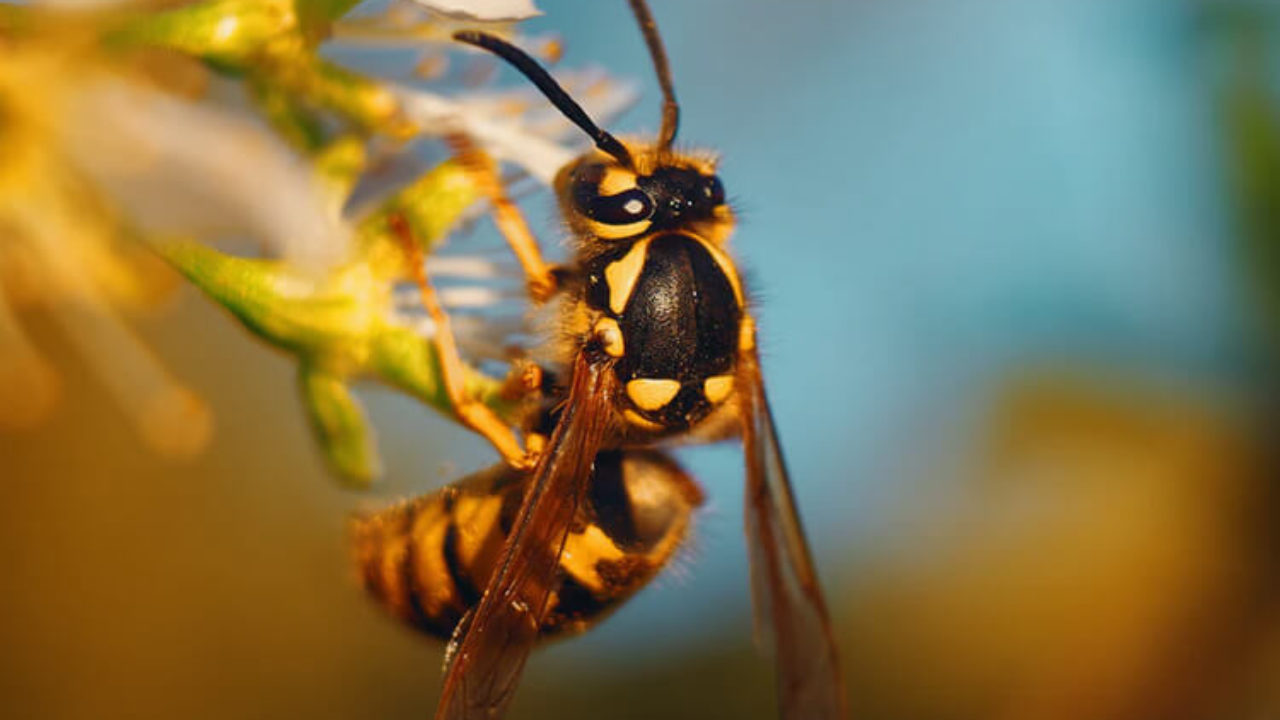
(524, 379)
(506, 214)
(473, 413)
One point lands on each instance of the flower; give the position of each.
(120, 143)
(66, 249)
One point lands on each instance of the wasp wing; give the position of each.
(486, 658)
(791, 614)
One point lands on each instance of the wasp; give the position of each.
(656, 342)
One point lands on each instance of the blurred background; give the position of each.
(1018, 264)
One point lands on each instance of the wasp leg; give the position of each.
(472, 412)
(539, 275)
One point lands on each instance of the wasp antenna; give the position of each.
(670, 108)
(541, 79)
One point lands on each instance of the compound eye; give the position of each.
(626, 207)
(713, 190)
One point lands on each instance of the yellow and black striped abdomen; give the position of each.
(428, 559)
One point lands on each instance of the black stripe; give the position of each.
(575, 608)
(608, 503)
(462, 581)
(409, 570)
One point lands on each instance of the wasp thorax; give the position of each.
(670, 310)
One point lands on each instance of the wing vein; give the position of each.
(791, 615)
(488, 657)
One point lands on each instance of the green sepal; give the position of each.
(339, 424)
(338, 166)
(343, 325)
(399, 358)
(431, 206)
(228, 33)
(366, 102)
(297, 123)
(332, 315)
(319, 13)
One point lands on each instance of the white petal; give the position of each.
(473, 268)
(504, 138)
(485, 10)
(179, 167)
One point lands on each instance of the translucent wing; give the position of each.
(791, 614)
(489, 652)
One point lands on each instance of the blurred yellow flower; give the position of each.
(119, 147)
(64, 249)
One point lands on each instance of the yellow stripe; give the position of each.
(727, 267)
(651, 393)
(616, 180)
(747, 334)
(617, 232)
(479, 537)
(639, 421)
(611, 336)
(436, 586)
(581, 553)
(623, 274)
(717, 388)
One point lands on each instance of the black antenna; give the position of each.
(549, 87)
(670, 108)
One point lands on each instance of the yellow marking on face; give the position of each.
(652, 394)
(717, 388)
(611, 337)
(617, 232)
(623, 274)
(747, 334)
(581, 553)
(616, 180)
(727, 267)
(635, 419)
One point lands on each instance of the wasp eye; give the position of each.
(713, 190)
(621, 209)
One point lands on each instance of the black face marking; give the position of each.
(668, 198)
(681, 322)
(681, 195)
(713, 190)
(586, 185)
(624, 208)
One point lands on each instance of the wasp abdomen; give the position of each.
(679, 311)
(427, 560)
